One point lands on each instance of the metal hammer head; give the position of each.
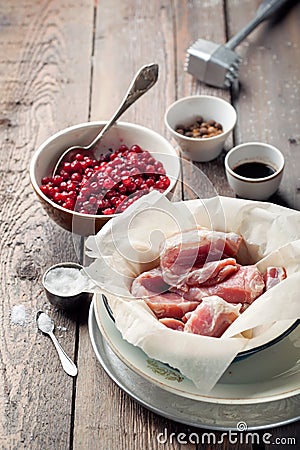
(213, 64)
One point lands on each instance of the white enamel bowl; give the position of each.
(48, 153)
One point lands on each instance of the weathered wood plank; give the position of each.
(44, 85)
(268, 96)
(130, 34)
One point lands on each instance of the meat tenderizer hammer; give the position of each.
(218, 65)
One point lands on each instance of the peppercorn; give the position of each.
(200, 128)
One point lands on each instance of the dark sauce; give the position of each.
(254, 170)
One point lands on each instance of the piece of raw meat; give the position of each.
(149, 283)
(273, 276)
(170, 304)
(191, 249)
(211, 273)
(174, 324)
(186, 317)
(151, 287)
(212, 317)
(242, 287)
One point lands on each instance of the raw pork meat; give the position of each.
(211, 273)
(151, 287)
(186, 317)
(212, 317)
(172, 323)
(149, 283)
(199, 287)
(242, 287)
(273, 276)
(170, 304)
(191, 249)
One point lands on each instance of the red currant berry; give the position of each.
(108, 183)
(123, 148)
(122, 189)
(138, 181)
(127, 181)
(57, 180)
(150, 182)
(108, 211)
(58, 197)
(70, 186)
(136, 149)
(79, 157)
(69, 204)
(67, 167)
(76, 176)
(64, 174)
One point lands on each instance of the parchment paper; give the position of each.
(129, 244)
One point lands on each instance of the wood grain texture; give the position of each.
(267, 97)
(63, 63)
(39, 70)
(128, 35)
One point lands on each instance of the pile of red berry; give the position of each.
(108, 185)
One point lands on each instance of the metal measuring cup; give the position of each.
(65, 302)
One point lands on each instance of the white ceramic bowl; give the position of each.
(185, 111)
(254, 188)
(48, 153)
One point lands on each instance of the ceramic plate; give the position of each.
(271, 374)
(191, 412)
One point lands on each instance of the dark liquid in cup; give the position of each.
(254, 170)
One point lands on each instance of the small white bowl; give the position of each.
(250, 187)
(186, 110)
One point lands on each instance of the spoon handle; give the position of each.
(68, 365)
(144, 79)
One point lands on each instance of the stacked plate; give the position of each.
(259, 392)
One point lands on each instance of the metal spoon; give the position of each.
(144, 79)
(46, 325)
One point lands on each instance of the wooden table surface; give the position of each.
(63, 63)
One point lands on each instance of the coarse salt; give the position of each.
(18, 315)
(66, 281)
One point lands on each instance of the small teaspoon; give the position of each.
(46, 325)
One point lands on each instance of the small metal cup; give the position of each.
(66, 303)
